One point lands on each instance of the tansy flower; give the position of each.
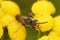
(16, 31)
(6, 19)
(8, 12)
(10, 8)
(43, 7)
(43, 38)
(53, 36)
(46, 22)
(1, 13)
(57, 23)
(19, 35)
(1, 1)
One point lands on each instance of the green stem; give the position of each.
(39, 34)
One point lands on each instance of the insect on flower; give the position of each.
(28, 21)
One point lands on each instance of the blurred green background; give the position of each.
(25, 6)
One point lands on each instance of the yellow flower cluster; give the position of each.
(8, 11)
(52, 36)
(43, 11)
(46, 22)
(43, 7)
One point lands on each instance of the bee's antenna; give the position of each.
(43, 22)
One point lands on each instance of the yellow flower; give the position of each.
(46, 22)
(16, 31)
(57, 23)
(43, 7)
(7, 0)
(1, 31)
(13, 27)
(58, 33)
(1, 1)
(20, 34)
(41, 0)
(6, 19)
(1, 13)
(43, 38)
(53, 36)
(10, 8)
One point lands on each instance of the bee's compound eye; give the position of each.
(34, 24)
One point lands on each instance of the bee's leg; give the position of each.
(31, 15)
(38, 27)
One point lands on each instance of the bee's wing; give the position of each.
(20, 19)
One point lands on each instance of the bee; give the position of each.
(24, 20)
